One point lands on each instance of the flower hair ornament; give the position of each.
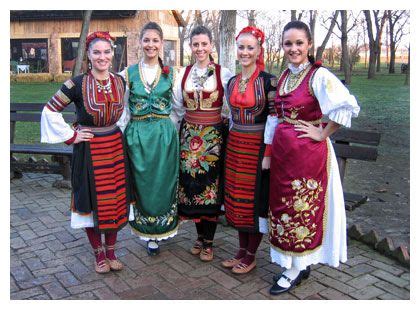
(104, 35)
(260, 36)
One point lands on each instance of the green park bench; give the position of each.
(60, 153)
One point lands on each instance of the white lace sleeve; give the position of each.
(54, 129)
(125, 116)
(270, 127)
(178, 109)
(334, 98)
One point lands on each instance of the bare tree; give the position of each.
(373, 40)
(82, 42)
(312, 22)
(396, 20)
(379, 28)
(407, 73)
(183, 35)
(227, 41)
(344, 48)
(321, 48)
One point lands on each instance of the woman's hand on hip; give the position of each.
(83, 135)
(310, 131)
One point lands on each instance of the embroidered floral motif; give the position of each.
(299, 229)
(208, 196)
(162, 220)
(200, 149)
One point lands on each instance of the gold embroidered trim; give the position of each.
(63, 97)
(296, 122)
(155, 81)
(150, 115)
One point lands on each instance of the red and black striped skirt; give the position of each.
(246, 185)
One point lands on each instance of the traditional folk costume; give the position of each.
(246, 184)
(307, 215)
(101, 189)
(153, 150)
(200, 93)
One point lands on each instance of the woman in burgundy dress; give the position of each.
(306, 215)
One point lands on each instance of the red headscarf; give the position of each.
(260, 36)
(104, 35)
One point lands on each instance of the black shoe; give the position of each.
(305, 274)
(277, 289)
(152, 251)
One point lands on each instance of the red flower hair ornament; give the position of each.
(165, 70)
(104, 35)
(260, 36)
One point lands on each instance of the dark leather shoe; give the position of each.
(277, 289)
(152, 251)
(305, 274)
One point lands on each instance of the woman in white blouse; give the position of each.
(199, 95)
(307, 215)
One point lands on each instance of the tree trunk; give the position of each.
(251, 18)
(344, 48)
(227, 40)
(372, 55)
(378, 40)
(312, 23)
(320, 49)
(407, 74)
(82, 42)
(392, 46)
(293, 15)
(182, 37)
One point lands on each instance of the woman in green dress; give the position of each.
(152, 141)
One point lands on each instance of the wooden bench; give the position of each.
(60, 154)
(354, 144)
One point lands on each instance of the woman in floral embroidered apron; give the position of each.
(200, 91)
(306, 215)
(101, 190)
(152, 141)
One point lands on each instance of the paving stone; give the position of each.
(42, 239)
(359, 259)
(170, 291)
(36, 281)
(368, 292)
(362, 281)
(83, 296)
(388, 296)
(17, 243)
(56, 290)
(27, 234)
(178, 264)
(203, 271)
(225, 280)
(388, 268)
(377, 256)
(67, 279)
(117, 284)
(397, 291)
(41, 297)
(405, 276)
(88, 287)
(337, 285)
(45, 255)
(25, 294)
(47, 271)
(223, 293)
(334, 273)
(64, 237)
(390, 278)
(21, 273)
(359, 270)
(138, 293)
(104, 293)
(33, 263)
(13, 286)
(132, 261)
(307, 288)
(333, 294)
(251, 287)
(255, 296)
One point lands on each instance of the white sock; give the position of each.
(152, 244)
(291, 273)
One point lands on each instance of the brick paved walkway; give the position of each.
(49, 260)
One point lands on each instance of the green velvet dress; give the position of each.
(153, 150)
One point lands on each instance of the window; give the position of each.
(30, 52)
(69, 48)
(169, 52)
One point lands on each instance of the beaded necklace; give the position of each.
(149, 86)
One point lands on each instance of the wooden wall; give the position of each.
(54, 30)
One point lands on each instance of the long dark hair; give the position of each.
(156, 27)
(202, 30)
(297, 24)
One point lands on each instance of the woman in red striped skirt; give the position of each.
(101, 192)
(250, 97)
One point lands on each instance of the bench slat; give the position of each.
(355, 152)
(36, 117)
(41, 149)
(357, 136)
(37, 107)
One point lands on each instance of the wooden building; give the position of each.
(47, 41)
